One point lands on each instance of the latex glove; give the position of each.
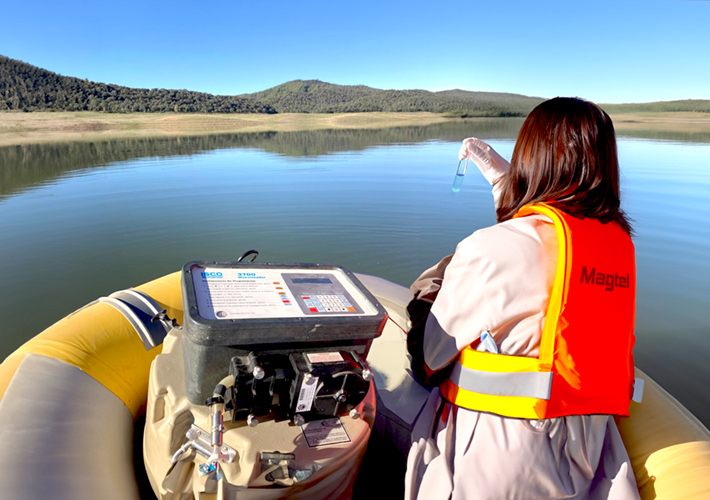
(489, 162)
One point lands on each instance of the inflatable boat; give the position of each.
(74, 397)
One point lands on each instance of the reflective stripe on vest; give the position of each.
(585, 364)
(526, 384)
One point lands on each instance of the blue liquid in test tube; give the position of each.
(458, 179)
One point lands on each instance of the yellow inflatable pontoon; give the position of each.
(71, 395)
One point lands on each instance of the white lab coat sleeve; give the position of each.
(498, 280)
(497, 191)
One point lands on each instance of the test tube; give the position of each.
(458, 179)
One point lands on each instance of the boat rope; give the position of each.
(397, 325)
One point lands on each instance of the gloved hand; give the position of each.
(489, 162)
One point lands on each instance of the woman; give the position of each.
(531, 329)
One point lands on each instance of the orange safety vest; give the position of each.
(586, 361)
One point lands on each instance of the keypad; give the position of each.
(327, 303)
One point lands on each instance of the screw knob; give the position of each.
(258, 372)
(252, 420)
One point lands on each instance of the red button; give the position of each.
(313, 309)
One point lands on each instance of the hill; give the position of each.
(314, 96)
(29, 88)
(24, 87)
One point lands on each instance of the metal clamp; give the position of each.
(200, 441)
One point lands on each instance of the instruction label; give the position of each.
(307, 394)
(236, 294)
(325, 432)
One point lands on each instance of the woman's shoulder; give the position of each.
(510, 238)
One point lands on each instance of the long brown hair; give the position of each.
(566, 156)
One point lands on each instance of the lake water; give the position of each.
(81, 220)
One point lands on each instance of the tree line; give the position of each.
(27, 88)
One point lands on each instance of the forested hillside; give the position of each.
(313, 96)
(28, 88)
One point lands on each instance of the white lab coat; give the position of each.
(499, 280)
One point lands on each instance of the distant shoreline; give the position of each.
(20, 128)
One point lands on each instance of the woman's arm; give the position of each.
(457, 316)
(441, 346)
(499, 281)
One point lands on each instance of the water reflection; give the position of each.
(22, 167)
(662, 135)
(25, 166)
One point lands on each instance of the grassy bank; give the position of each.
(46, 127)
(43, 127)
(679, 121)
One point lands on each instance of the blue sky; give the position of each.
(605, 51)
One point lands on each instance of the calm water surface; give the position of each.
(82, 220)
